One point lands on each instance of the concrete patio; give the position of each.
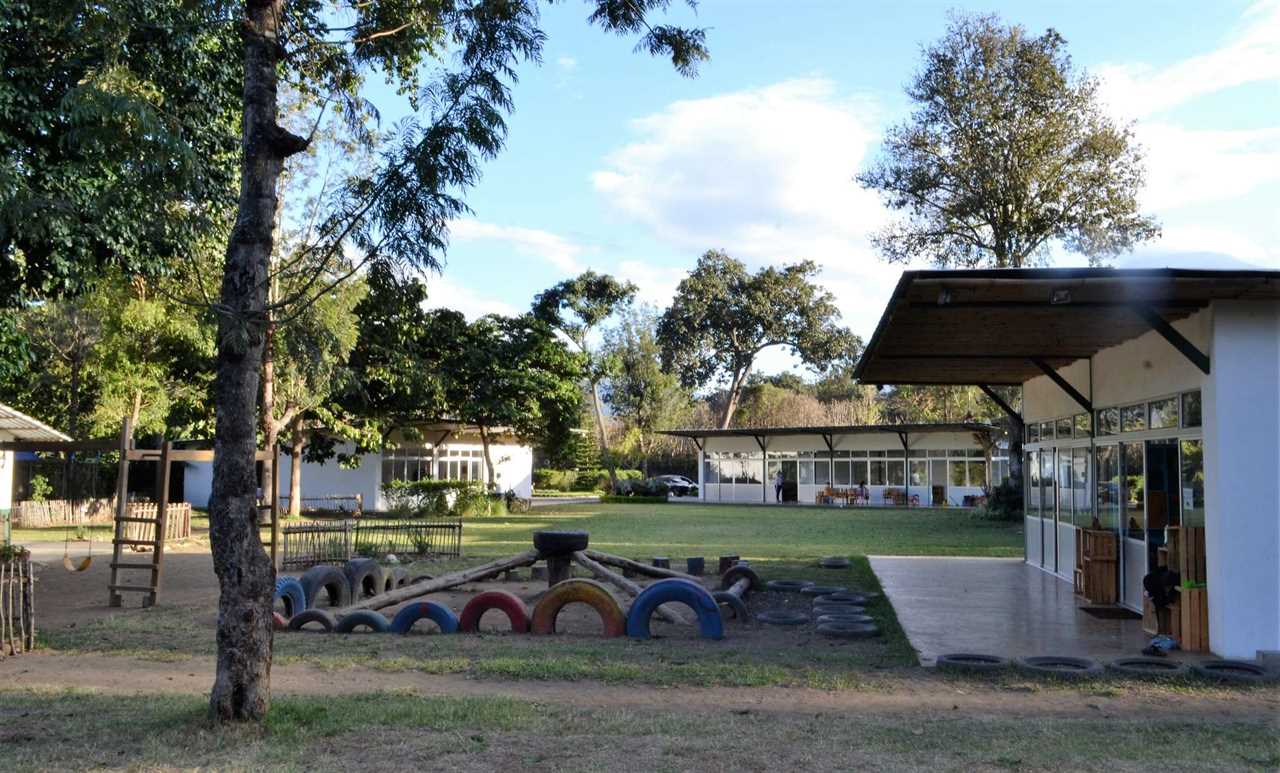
(997, 606)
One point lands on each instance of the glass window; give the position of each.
(1162, 414)
(1082, 512)
(1064, 427)
(822, 473)
(841, 470)
(1032, 467)
(442, 470)
(1080, 424)
(1108, 484)
(897, 472)
(858, 473)
(999, 470)
(1191, 409)
(1033, 433)
(876, 454)
(914, 454)
(1133, 418)
(712, 472)
(1046, 430)
(956, 473)
(1063, 483)
(858, 454)
(1192, 484)
(1048, 495)
(877, 477)
(1108, 421)
(840, 454)
(475, 471)
(1135, 521)
(751, 469)
(806, 474)
(919, 473)
(978, 474)
(937, 452)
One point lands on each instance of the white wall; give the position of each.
(7, 471)
(1241, 404)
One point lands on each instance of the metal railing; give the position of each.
(330, 542)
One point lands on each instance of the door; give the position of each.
(1133, 552)
(938, 482)
(1033, 524)
(1049, 513)
(1163, 498)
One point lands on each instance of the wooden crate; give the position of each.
(1154, 622)
(1099, 544)
(1194, 613)
(1100, 581)
(1191, 561)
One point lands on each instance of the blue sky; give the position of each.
(615, 162)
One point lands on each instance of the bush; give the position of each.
(441, 499)
(556, 480)
(634, 500)
(649, 488)
(1004, 503)
(41, 488)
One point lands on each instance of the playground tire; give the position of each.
(289, 592)
(691, 594)
(508, 603)
(1228, 670)
(782, 617)
(837, 609)
(322, 616)
(835, 562)
(436, 612)
(372, 619)
(843, 618)
(1149, 668)
(396, 578)
(329, 579)
(278, 622)
(859, 599)
(1059, 667)
(364, 576)
(849, 630)
(823, 590)
(787, 586)
(971, 663)
(559, 543)
(589, 592)
(737, 572)
(735, 605)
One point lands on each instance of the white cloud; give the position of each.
(1252, 55)
(1194, 166)
(555, 249)
(445, 294)
(766, 174)
(567, 63)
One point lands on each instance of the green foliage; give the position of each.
(641, 487)
(41, 488)
(1004, 504)
(640, 391)
(439, 499)
(633, 499)
(1008, 152)
(722, 317)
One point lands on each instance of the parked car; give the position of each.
(679, 485)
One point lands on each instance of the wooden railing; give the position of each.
(62, 512)
(177, 525)
(17, 606)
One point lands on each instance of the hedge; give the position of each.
(621, 500)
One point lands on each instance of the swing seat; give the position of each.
(76, 566)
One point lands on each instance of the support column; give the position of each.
(1241, 418)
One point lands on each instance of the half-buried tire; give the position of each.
(437, 613)
(834, 562)
(823, 590)
(559, 543)
(329, 579)
(782, 617)
(364, 577)
(686, 592)
(588, 592)
(1238, 671)
(321, 617)
(363, 618)
(841, 617)
(787, 586)
(971, 663)
(290, 594)
(849, 630)
(734, 604)
(1060, 667)
(1148, 668)
(508, 603)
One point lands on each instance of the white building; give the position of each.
(17, 427)
(941, 464)
(442, 451)
(1151, 400)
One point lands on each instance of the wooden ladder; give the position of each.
(150, 587)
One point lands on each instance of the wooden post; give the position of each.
(559, 569)
(275, 507)
(444, 582)
(626, 585)
(114, 599)
(636, 566)
(162, 521)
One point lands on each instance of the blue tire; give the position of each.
(374, 621)
(289, 592)
(696, 597)
(436, 613)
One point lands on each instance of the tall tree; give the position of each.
(577, 307)
(722, 317)
(1008, 152)
(639, 391)
(396, 211)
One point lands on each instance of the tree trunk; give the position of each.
(246, 579)
(295, 469)
(488, 459)
(735, 395)
(603, 436)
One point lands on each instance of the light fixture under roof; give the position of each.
(1059, 297)
(944, 297)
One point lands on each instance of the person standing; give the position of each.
(777, 486)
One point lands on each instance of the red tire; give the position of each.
(588, 592)
(508, 603)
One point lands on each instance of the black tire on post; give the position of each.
(364, 576)
(737, 572)
(559, 543)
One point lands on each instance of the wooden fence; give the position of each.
(17, 606)
(308, 544)
(62, 512)
(177, 525)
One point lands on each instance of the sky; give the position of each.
(614, 162)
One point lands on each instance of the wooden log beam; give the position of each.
(637, 567)
(626, 585)
(474, 574)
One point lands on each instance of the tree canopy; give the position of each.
(1007, 153)
(723, 316)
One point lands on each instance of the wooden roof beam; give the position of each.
(1170, 334)
(1065, 385)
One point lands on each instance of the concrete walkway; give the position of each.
(997, 606)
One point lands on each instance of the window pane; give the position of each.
(821, 473)
(1135, 490)
(1108, 484)
(1048, 492)
(1032, 488)
(1163, 413)
(1191, 409)
(442, 470)
(858, 473)
(751, 469)
(1081, 425)
(1108, 421)
(978, 474)
(1133, 418)
(937, 452)
(711, 473)
(1064, 485)
(877, 473)
(955, 473)
(919, 473)
(875, 454)
(1193, 483)
(897, 472)
(1033, 433)
(1080, 487)
(1046, 430)
(806, 473)
(388, 468)
(475, 471)
(842, 473)
(1064, 427)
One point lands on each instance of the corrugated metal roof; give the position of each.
(16, 425)
(846, 429)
